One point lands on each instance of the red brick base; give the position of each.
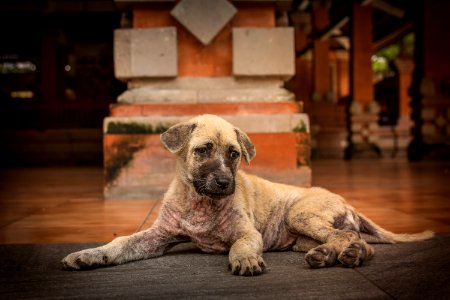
(133, 160)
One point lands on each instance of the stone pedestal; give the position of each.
(394, 140)
(190, 57)
(328, 130)
(435, 114)
(363, 131)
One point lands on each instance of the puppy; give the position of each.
(221, 209)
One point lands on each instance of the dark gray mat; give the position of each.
(404, 271)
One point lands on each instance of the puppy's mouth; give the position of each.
(214, 187)
(215, 195)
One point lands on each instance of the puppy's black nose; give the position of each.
(222, 182)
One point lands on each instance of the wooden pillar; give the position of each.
(405, 68)
(396, 140)
(363, 110)
(362, 90)
(431, 88)
(343, 74)
(321, 65)
(302, 81)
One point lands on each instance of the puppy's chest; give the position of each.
(209, 226)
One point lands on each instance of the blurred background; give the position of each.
(57, 75)
(56, 80)
(351, 95)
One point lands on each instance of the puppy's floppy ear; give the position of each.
(177, 136)
(246, 144)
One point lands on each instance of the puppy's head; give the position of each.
(209, 151)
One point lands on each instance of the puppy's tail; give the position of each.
(373, 233)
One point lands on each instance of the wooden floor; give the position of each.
(65, 205)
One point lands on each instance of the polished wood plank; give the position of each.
(86, 221)
(400, 196)
(65, 205)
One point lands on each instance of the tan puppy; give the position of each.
(221, 209)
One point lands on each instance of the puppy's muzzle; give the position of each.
(215, 185)
(222, 182)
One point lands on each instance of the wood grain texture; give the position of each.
(65, 205)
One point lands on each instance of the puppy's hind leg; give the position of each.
(350, 249)
(304, 244)
(343, 245)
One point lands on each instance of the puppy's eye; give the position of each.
(201, 150)
(234, 154)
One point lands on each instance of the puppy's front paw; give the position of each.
(321, 256)
(247, 266)
(86, 259)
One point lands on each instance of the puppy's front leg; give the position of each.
(141, 245)
(246, 255)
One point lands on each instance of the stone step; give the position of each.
(252, 123)
(151, 95)
(137, 164)
(182, 109)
